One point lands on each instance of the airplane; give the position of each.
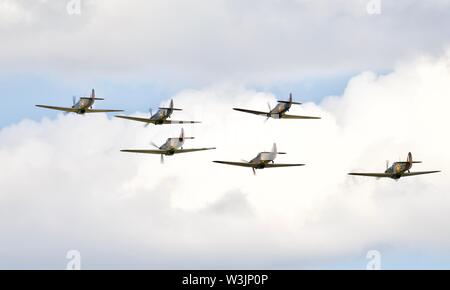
(83, 106)
(397, 170)
(160, 117)
(279, 112)
(261, 161)
(171, 147)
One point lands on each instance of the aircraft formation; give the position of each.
(263, 160)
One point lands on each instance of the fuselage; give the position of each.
(263, 158)
(398, 169)
(83, 104)
(161, 116)
(171, 145)
(279, 110)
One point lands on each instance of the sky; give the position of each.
(377, 75)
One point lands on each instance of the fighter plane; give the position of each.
(160, 117)
(397, 170)
(171, 147)
(261, 161)
(83, 106)
(279, 112)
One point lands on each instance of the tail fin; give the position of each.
(183, 137)
(410, 159)
(170, 108)
(290, 101)
(93, 97)
(275, 150)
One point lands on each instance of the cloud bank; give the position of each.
(65, 185)
(204, 42)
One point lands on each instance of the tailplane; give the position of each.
(93, 97)
(410, 159)
(275, 150)
(290, 101)
(170, 108)
(183, 137)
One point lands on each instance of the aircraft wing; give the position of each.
(144, 151)
(192, 150)
(63, 109)
(419, 173)
(252, 112)
(243, 164)
(144, 120)
(180, 122)
(102, 111)
(282, 165)
(298, 117)
(378, 175)
(148, 121)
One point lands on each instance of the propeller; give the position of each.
(151, 115)
(387, 164)
(254, 171)
(270, 110)
(157, 147)
(74, 102)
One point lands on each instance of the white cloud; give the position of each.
(210, 41)
(65, 185)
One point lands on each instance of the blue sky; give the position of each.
(22, 92)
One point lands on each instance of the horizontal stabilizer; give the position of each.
(287, 102)
(173, 109)
(95, 99)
